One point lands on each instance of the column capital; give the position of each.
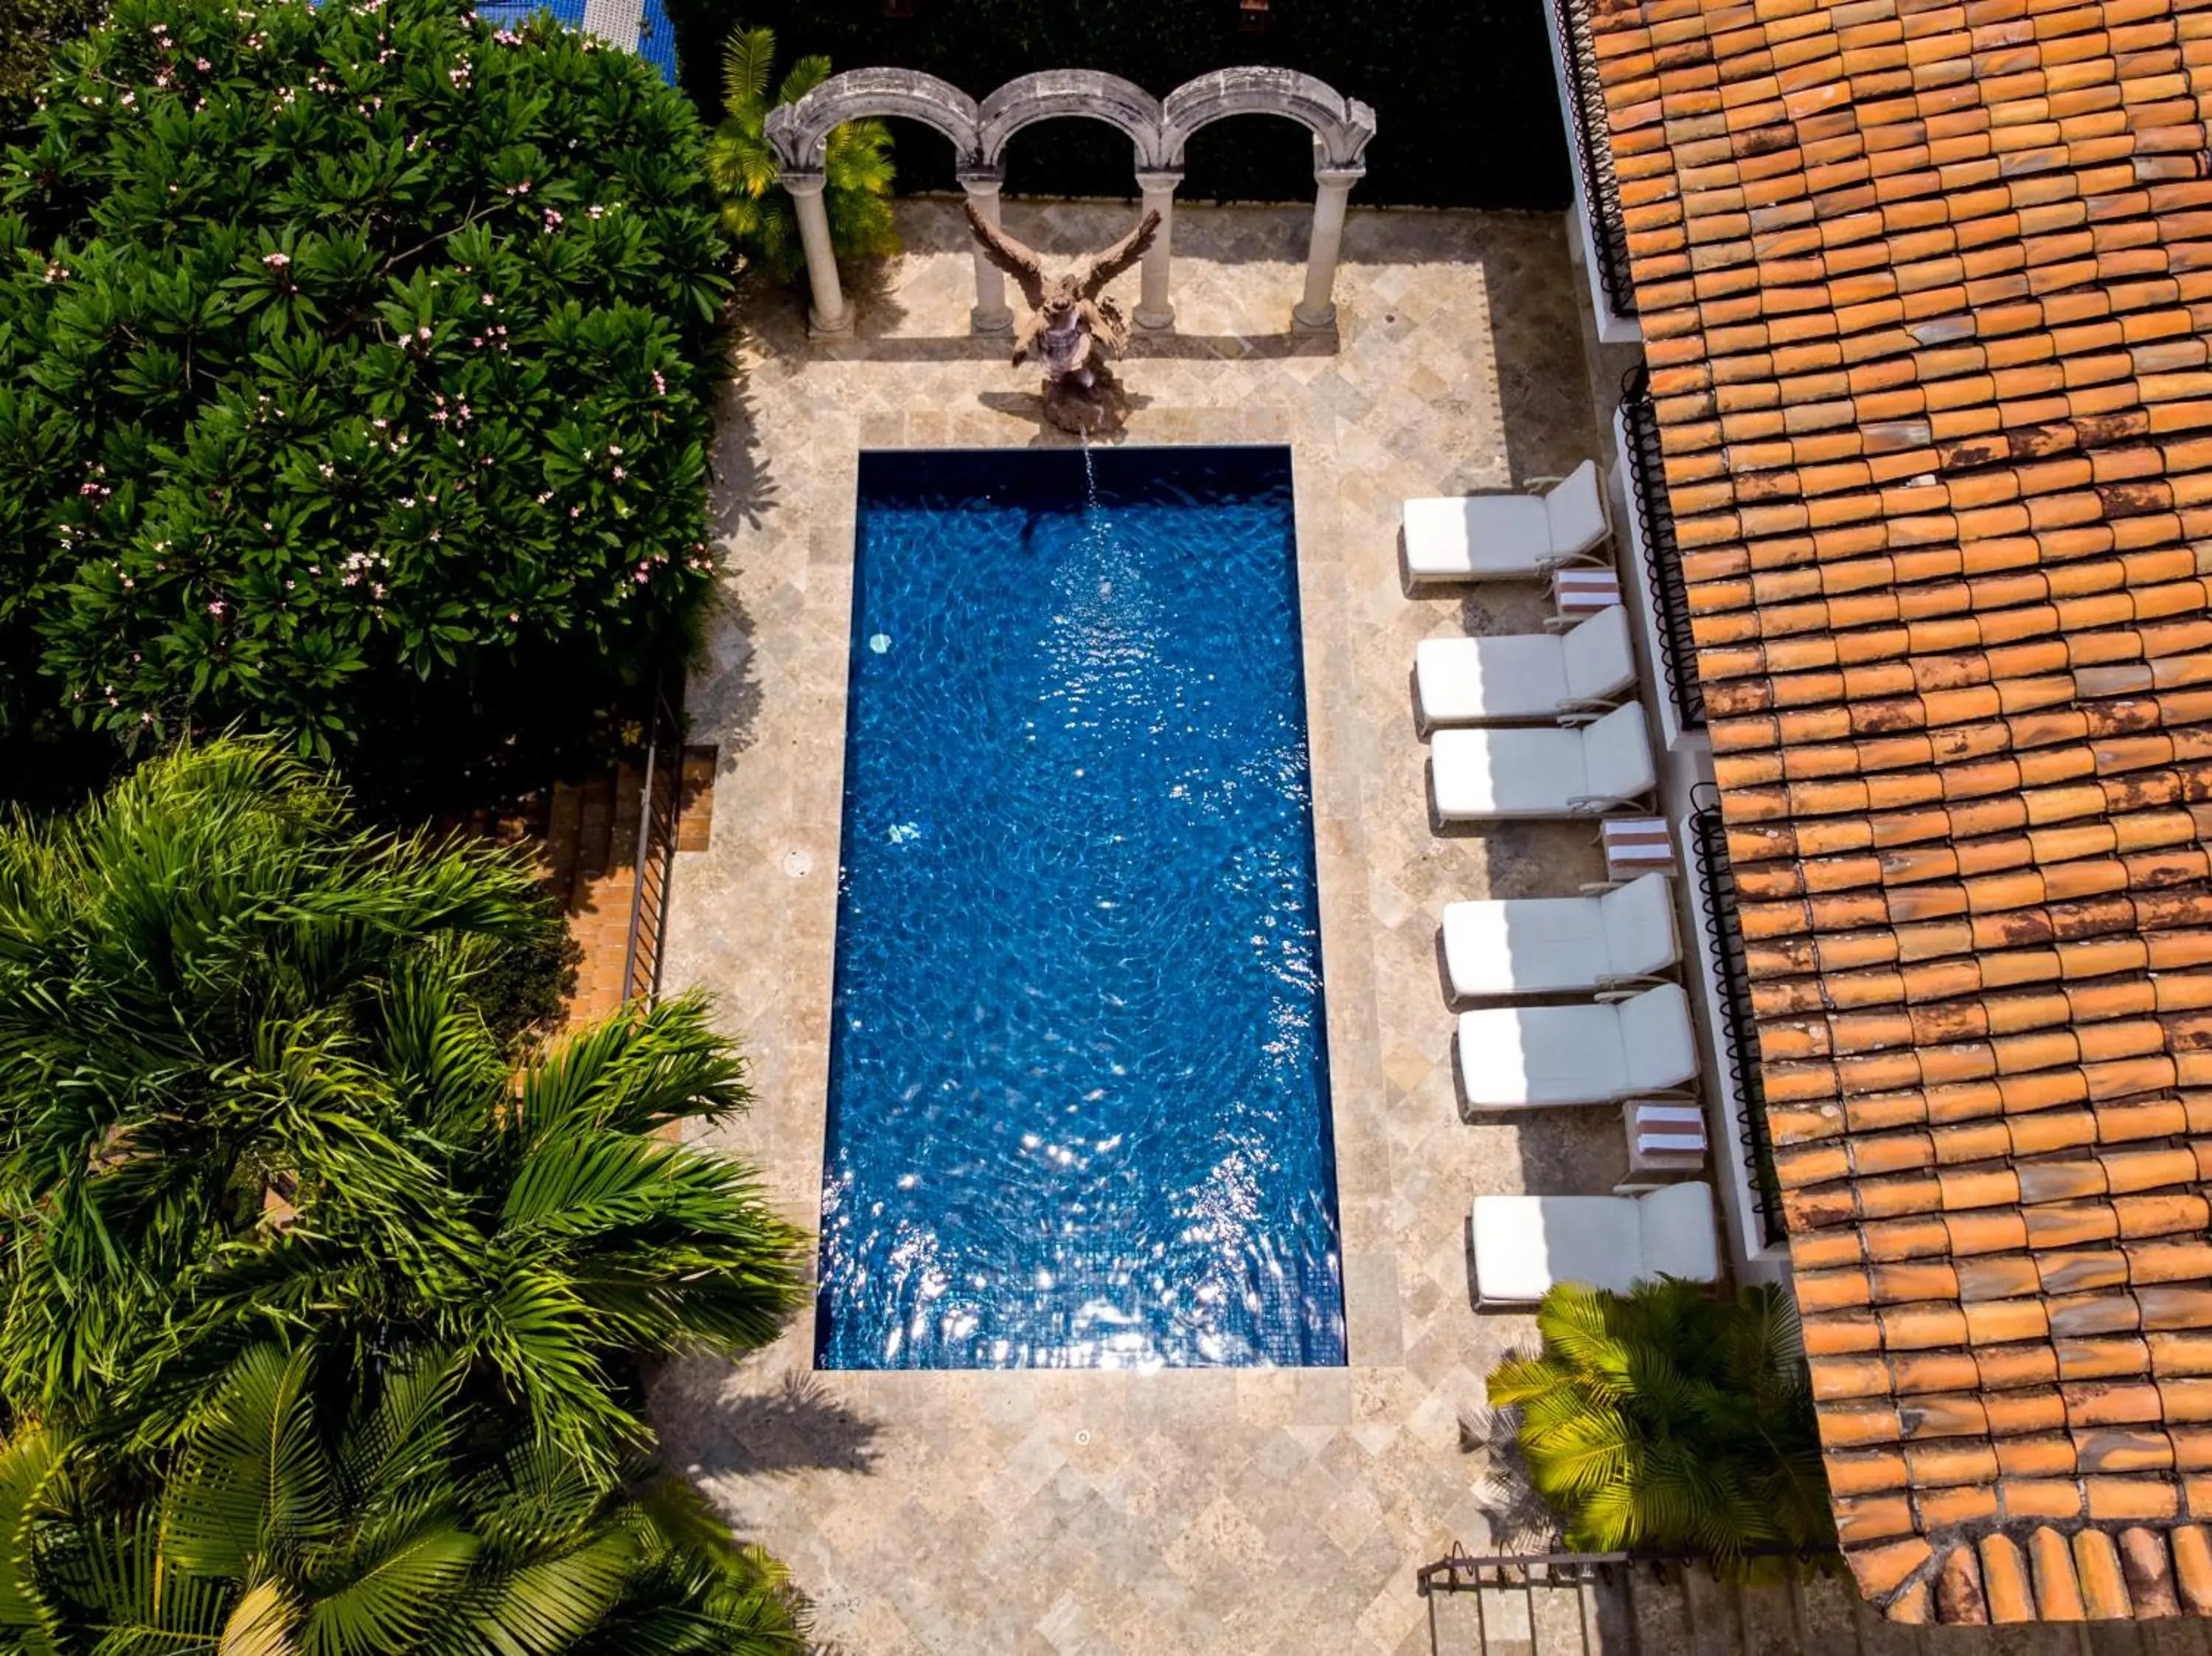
(1159, 177)
(1340, 178)
(797, 182)
(982, 180)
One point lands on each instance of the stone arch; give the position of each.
(1341, 126)
(1029, 98)
(800, 132)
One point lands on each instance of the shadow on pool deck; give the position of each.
(793, 1428)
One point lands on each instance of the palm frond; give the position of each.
(748, 58)
(1664, 1418)
(806, 75)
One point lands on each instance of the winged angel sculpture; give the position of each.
(1072, 326)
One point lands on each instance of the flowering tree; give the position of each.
(355, 367)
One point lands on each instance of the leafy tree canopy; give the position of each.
(247, 1093)
(313, 1508)
(1668, 1420)
(29, 31)
(355, 364)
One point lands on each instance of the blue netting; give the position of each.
(656, 41)
(504, 12)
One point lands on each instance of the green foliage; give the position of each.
(521, 990)
(1666, 1419)
(355, 372)
(312, 1508)
(1463, 91)
(29, 32)
(246, 1090)
(757, 216)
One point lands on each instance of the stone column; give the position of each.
(830, 314)
(991, 313)
(1317, 312)
(1155, 313)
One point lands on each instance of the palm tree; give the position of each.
(300, 1515)
(214, 915)
(857, 165)
(1665, 1419)
(245, 1093)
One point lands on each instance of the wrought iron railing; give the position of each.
(1464, 1572)
(660, 800)
(1593, 150)
(1524, 1575)
(1505, 1576)
(1740, 1035)
(1663, 560)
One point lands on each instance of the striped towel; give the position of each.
(1584, 588)
(1636, 844)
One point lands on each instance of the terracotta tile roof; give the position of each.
(1926, 288)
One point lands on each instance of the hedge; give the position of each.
(29, 32)
(1466, 107)
(356, 368)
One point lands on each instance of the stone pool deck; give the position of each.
(1230, 1511)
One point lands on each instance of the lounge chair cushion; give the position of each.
(1478, 536)
(1526, 946)
(1675, 1222)
(1480, 773)
(1541, 945)
(1485, 773)
(1640, 939)
(1475, 681)
(1514, 1056)
(1656, 1034)
(1466, 681)
(1595, 659)
(1574, 509)
(1617, 756)
(1525, 1244)
(1510, 1056)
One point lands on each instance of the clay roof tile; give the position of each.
(1927, 296)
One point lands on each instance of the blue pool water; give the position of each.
(1078, 1091)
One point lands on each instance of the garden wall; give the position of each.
(1462, 89)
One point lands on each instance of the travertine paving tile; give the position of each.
(1231, 1511)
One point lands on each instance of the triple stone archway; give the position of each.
(1160, 127)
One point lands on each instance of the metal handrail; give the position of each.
(1594, 154)
(1663, 559)
(1741, 1037)
(658, 803)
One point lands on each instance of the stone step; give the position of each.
(1773, 1617)
(1676, 1611)
(1658, 1611)
(629, 796)
(564, 818)
(695, 810)
(1716, 1625)
(595, 833)
(1593, 1619)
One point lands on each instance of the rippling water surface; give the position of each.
(1078, 1095)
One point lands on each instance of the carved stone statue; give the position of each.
(1072, 327)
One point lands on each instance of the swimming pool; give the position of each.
(1078, 1112)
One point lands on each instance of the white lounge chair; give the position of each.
(1547, 945)
(1575, 770)
(1484, 681)
(1503, 536)
(1510, 1057)
(1525, 1244)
